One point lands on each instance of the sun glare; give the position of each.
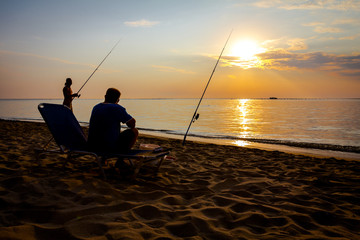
(245, 51)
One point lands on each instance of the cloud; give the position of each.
(43, 57)
(348, 21)
(171, 69)
(59, 60)
(313, 24)
(297, 44)
(267, 3)
(320, 27)
(285, 60)
(141, 23)
(341, 5)
(350, 37)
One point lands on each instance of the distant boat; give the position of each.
(273, 98)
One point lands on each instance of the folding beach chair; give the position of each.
(70, 138)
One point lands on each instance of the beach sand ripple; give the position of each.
(208, 192)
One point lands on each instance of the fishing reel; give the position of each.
(196, 117)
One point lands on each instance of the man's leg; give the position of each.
(127, 139)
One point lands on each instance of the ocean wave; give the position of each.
(308, 145)
(321, 146)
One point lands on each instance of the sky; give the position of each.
(169, 48)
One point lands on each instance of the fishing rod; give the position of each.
(97, 67)
(196, 115)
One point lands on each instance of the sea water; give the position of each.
(328, 124)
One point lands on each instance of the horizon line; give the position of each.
(165, 98)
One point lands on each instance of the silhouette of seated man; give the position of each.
(105, 126)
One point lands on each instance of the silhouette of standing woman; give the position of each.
(68, 95)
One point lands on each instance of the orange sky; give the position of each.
(168, 49)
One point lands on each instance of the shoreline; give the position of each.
(205, 191)
(295, 148)
(311, 152)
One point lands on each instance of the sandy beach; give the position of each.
(205, 191)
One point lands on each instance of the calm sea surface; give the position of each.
(331, 124)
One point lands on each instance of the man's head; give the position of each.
(68, 82)
(112, 95)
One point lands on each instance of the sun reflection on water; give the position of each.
(241, 118)
(241, 143)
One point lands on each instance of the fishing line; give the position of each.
(196, 115)
(98, 66)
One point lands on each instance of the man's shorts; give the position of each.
(126, 137)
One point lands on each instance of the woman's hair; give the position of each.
(112, 95)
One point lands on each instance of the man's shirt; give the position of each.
(105, 126)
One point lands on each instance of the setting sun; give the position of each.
(246, 51)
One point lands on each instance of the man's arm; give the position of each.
(68, 93)
(131, 123)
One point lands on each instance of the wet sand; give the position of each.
(208, 191)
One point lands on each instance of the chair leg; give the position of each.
(159, 163)
(131, 162)
(136, 171)
(99, 159)
(67, 159)
(48, 143)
